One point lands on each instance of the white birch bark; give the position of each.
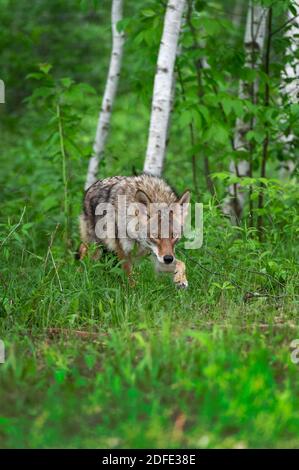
(109, 94)
(162, 94)
(290, 87)
(255, 33)
(2, 92)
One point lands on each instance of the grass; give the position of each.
(156, 367)
(91, 362)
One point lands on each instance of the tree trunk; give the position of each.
(267, 134)
(109, 94)
(162, 95)
(255, 33)
(2, 92)
(290, 89)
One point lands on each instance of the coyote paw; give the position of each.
(180, 281)
(132, 282)
(182, 284)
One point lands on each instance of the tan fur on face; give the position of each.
(165, 247)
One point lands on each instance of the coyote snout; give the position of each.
(163, 249)
(141, 215)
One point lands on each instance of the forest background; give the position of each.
(91, 362)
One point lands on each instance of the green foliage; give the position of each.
(134, 390)
(209, 367)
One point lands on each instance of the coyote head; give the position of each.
(162, 224)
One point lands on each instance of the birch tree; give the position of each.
(254, 39)
(109, 94)
(2, 92)
(162, 94)
(290, 86)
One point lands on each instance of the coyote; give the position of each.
(154, 221)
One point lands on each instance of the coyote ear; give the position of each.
(142, 197)
(185, 197)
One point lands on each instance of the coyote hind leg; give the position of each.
(83, 250)
(126, 265)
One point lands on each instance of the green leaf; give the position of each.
(185, 118)
(292, 9)
(148, 13)
(67, 82)
(45, 68)
(257, 135)
(122, 24)
(222, 176)
(60, 375)
(204, 111)
(237, 106)
(35, 75)
(49, 203)
(217, 133)
(43, 92)
(226, 105)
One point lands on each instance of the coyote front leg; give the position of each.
(179, 277)
(178, 268)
